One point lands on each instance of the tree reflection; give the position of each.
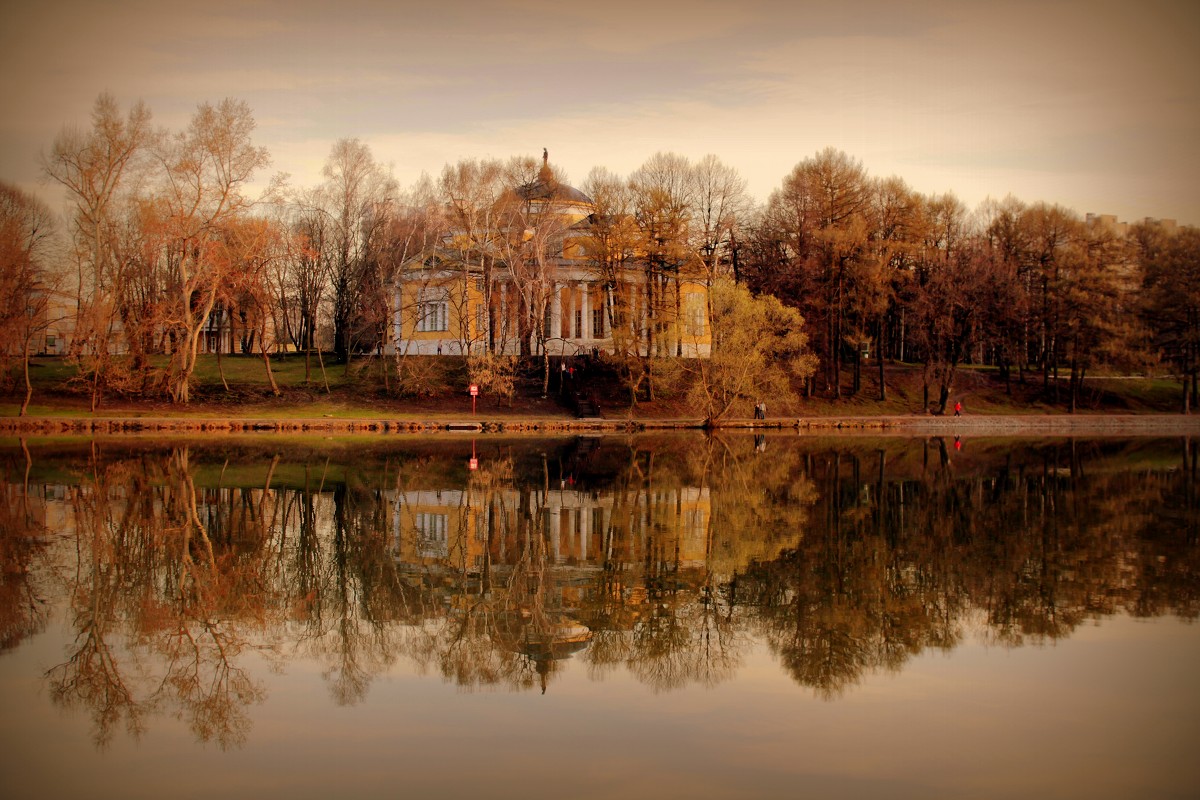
(182, 572)
(24, 535)
(162, 613)
(1038, 546)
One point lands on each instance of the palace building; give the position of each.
(536, 282)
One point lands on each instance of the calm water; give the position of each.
(600, 617)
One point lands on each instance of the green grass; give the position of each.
(358, 393)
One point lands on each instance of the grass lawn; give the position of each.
(358, 392)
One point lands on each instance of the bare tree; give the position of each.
(612, 246)
(412, 227)
(301, 282)
(719, 204)
(98, 166)
(253, 246)
(25, 281)
(532, 224)
(203, 172)
(1170, 275)
(471, 194)
(663, 192)
(359, 197)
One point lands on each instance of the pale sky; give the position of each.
(1094, 105)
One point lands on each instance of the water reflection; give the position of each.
(181, 570)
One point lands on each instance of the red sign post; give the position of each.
(474, 389)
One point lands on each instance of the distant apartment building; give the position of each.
(1110, 223)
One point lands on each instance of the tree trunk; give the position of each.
(221, 366)
(925, 389)
(857, 374)
(879, 359)
(28, 384)
(262, 340)
(324, 377)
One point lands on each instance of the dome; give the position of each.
(547, 187)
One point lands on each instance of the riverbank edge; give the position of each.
(994, 425)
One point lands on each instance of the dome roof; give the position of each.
(553, 190)
(547, 187)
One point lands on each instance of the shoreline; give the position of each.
(978, 425)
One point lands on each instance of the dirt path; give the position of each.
(978, 425)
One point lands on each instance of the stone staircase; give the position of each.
(579, 395)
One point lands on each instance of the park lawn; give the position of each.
(358, 393)
(52, 372)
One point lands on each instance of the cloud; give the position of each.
(1051, 100)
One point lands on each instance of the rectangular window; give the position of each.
(598, 323)
(578, 323)
(433, 310)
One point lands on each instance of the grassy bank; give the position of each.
(358, 391)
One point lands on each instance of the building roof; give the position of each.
(547, 187)
(553, 190)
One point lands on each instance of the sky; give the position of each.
(1092, 104)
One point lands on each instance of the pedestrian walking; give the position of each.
(958, 409)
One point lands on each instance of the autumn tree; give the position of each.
(26, 280)
(412, 227)
(720, 204)
(252, 245)
(97, 167)
(612, 247)
(1050, 233)
(300, 282)
(944, 314)
(663, 192)
(204, 171)
(1170, 282)
(1095, 308)
(894, 222)
(758, 350)
(532, 225)
(812, 248)
(472, 194)
(1008, 323)
(358, 197)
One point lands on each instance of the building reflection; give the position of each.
(473, 531)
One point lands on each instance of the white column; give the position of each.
(570, 312)
(555, 331)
